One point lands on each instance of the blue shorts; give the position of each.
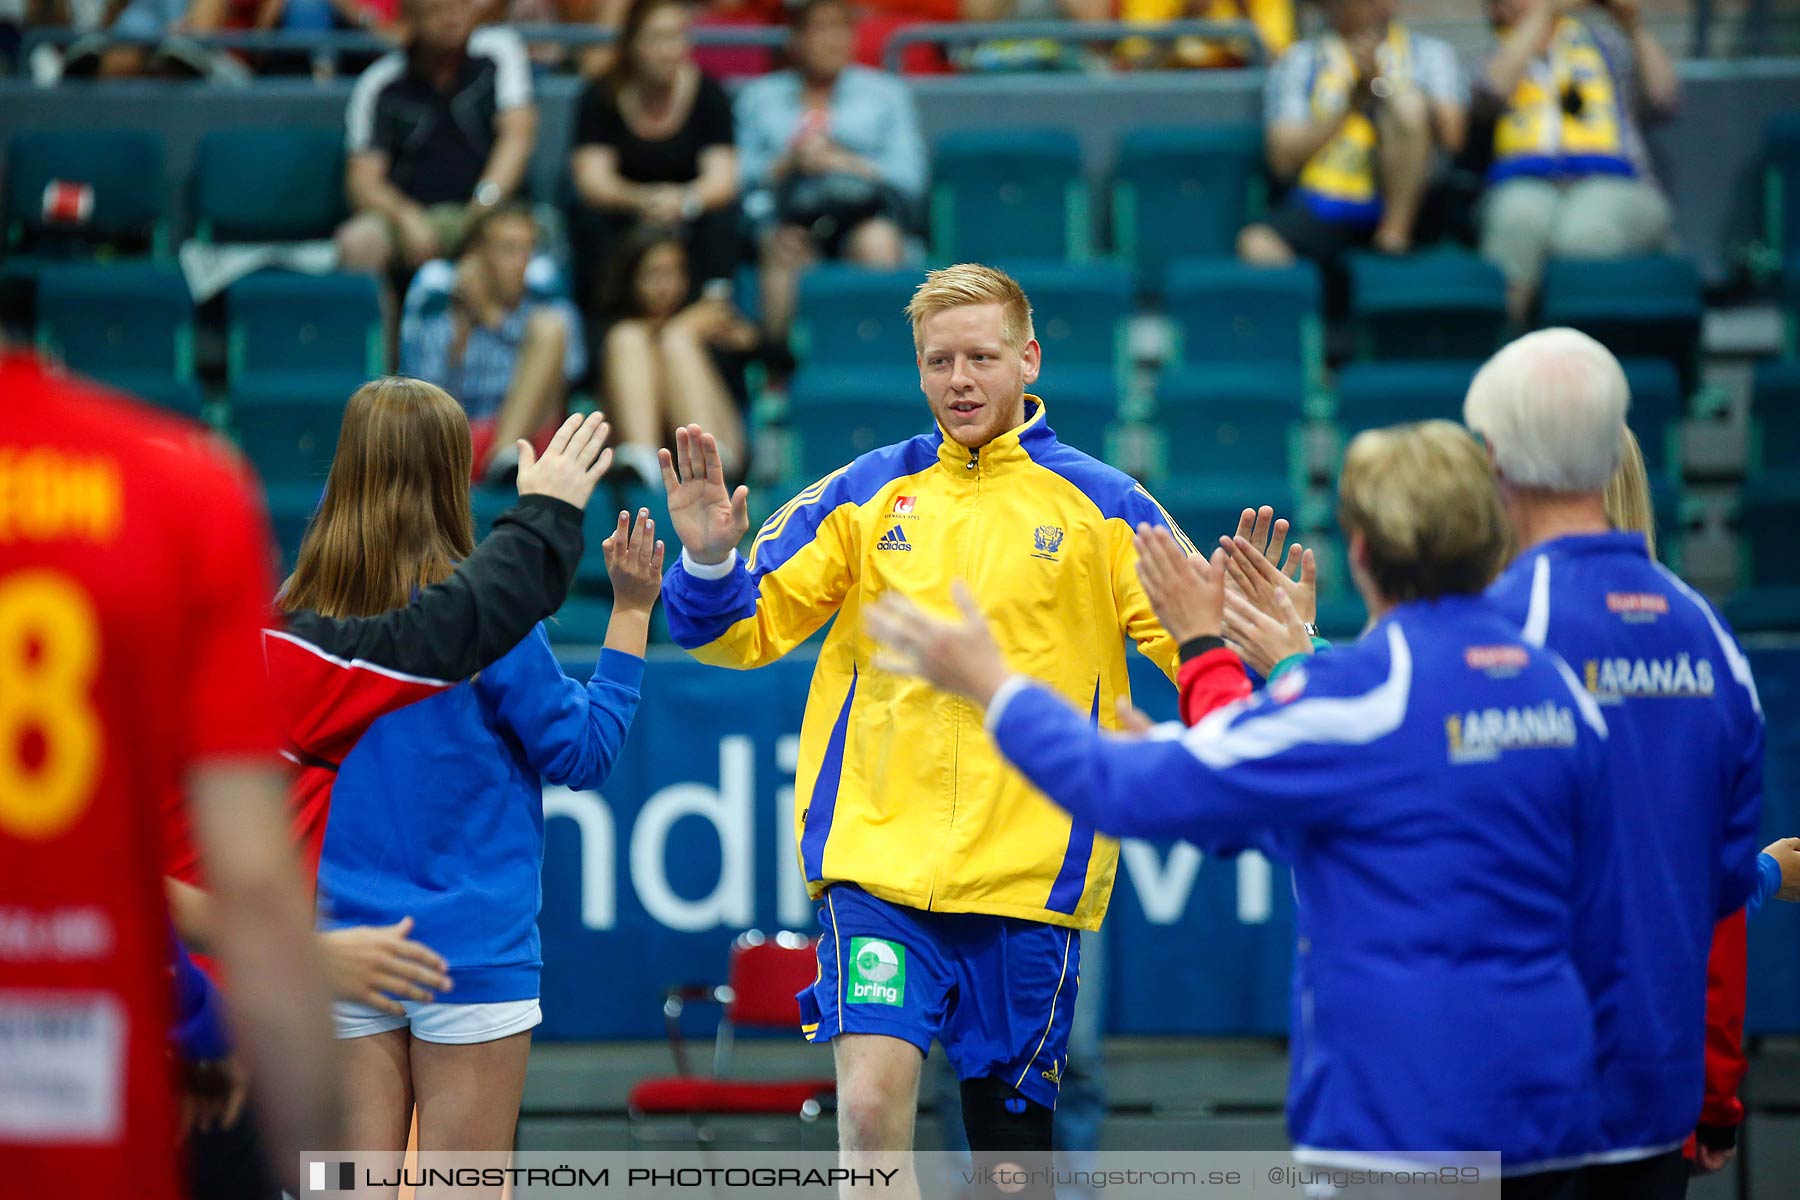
(998, 992)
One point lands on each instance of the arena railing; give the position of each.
(1068, 33)
(330, 45)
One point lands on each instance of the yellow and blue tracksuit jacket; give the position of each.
(899, 789)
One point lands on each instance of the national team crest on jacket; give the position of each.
(1048, 539)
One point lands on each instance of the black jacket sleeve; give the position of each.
(518, 576)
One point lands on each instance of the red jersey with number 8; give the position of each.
(135, 576)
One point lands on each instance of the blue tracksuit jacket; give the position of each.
(439, 811)
(1436, 788)
(1684, 767)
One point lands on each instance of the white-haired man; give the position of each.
(1684, 756)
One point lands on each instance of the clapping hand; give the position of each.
(958, 656)
(709, 519)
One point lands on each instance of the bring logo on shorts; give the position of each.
(877, 972)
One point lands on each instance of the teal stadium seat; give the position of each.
(1790, 303)
(181, 396)
(268, 184)
(286, 325)
(1079, 312)
(1768, 514)
(288, 428)
(850, 317)
(1009, 196)
(1233, 426)
(1083, 403)
(1657, 408)
(1371, 395)
(838, 413)
(581, 621)
(123, 166)
(1637, 307)
(130, 325)
(1225, 311)
(1182, 191)
(291, 506)
(1447, 304)
(1781, 185)
(1775, 416)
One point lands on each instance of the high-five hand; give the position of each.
(709, 520)
(960, 657)
(1261, 638)
(573, 462)
(1252, 574)
(634, 563)
(1186, 592)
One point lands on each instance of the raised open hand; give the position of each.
(573, 462)
(709, 519)
(1252, 574)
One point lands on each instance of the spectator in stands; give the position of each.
(323, 16)
(1355, 118)
(1029, 54)
(660, 355)
(494, 337)
(439, 133)
(654, 145)
(1274, 20)
(1566, 93)
(832, 158)
(155, 30)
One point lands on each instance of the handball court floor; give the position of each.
(1164, 1094)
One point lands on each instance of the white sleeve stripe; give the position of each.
(1537, 618)
(1590, 709)
(1332, 721)
(356, 664)
(359, 116)
(512, 65)
(1740, 666)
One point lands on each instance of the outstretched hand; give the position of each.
(957, 656)
(709, 519)
(1265, 638)
(1252, 574)
(1186, 592)
(574, 461)
(634, 563)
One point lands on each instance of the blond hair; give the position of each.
(971, 283)
(1423, 497)
(1628, 503)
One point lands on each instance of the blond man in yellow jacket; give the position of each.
(951, 893)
